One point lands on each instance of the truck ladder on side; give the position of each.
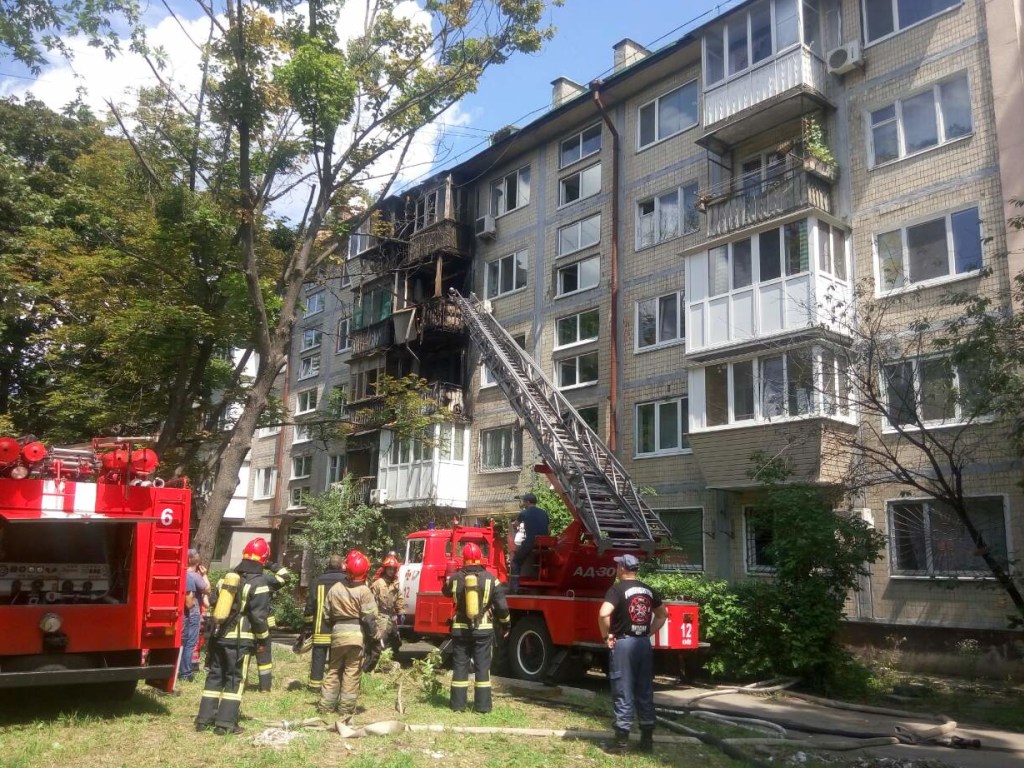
(595, 482)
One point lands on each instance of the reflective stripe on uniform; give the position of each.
(482, 684)
(261, 589)
(265, 668)
(487, 594)
(271, 621)
(460, 683)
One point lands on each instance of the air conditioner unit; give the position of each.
(379, 496)
(845, 58)
(485, 228)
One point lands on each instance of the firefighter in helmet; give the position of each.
(390, 611)
(315, 624)
(478, 598)
(351, 613)
(240, 619)
(276, 577)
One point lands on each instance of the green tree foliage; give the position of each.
(339, 521)
(548, 499)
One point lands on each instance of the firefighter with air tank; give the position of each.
(241, 629)
(478, 599)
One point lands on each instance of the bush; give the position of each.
(288, 609)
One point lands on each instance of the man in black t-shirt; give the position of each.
(536, 523)
(631, 612)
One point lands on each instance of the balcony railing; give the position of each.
(446, 236)
(379, 335)
(363, 486)
(796, 69)
(368, 413)
(449, 397)
(375, 413)
(793, 190)
(441, 315)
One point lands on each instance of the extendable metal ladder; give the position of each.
(595, 482)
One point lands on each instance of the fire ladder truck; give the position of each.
(554, 613)
(93, 550)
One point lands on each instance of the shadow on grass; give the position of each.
(32, 705)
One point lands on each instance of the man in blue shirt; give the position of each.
(535, 523)
(196, 586)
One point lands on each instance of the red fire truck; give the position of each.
(93, 550)
(554, 614)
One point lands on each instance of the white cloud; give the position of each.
(118, 80)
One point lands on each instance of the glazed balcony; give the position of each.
(781, 89)
(796, 189)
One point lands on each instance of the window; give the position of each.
(346, 275)
(585, 183)
(759, 534)
(344, 334)
(659, 321)
(302, 434)
(297, 496)
(414, 549)
(931, 250)
(590, 415)
(338, 400)
(580, 276)
(453, 442)
(314, 304)
(302, 467)
(429, 209)
(486, 377)
(929, 119)
(268, 431)
(774, 386)
(364, 382)
(577, 371)
(410, 451)
(577, 329)
(372, 306)
(510, 192)
(927, 538)
(668, 115)
(782, 251)
(305, 401)
(662, 427)
(583, 144)
(579, 235)
(666, 216)
(311, 338)
(884, 17)
(309, 366)
(501, 449)
(265, 483)
(831, 251)
(335, 468)
(687, 550)
(932, 391)
(506, 275)
(746, 40)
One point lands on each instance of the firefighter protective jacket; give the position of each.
(351, 613)
(247, 623)
(314, 612)
(388, 595)
(277, 577)
(492, 600)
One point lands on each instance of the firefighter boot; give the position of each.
(647, 739)
(619, 745)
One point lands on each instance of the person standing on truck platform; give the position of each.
(235, 639)
(351, 613)
(314, 618)
(631, 612)
(477, 597)
(535, 523)
(276, 576)
(196, 588)
(390, 610)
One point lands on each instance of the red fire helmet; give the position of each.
(258, 550)
(471, 554)
(356, 565)
(390, 562)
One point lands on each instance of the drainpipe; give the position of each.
(613, 383)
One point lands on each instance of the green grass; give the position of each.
(40, 729)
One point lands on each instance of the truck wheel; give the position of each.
(529, 649)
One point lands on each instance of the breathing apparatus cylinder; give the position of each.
(226, 597)
(472, 597)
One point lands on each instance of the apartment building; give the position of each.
(676, 249)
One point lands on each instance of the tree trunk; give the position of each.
(233, 456)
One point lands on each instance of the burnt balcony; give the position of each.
(373, 413)
(444, 236)
(449, 398)
(441, 315)
(372, 338)
(381, 253)
(796, 189)
(370, 413)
